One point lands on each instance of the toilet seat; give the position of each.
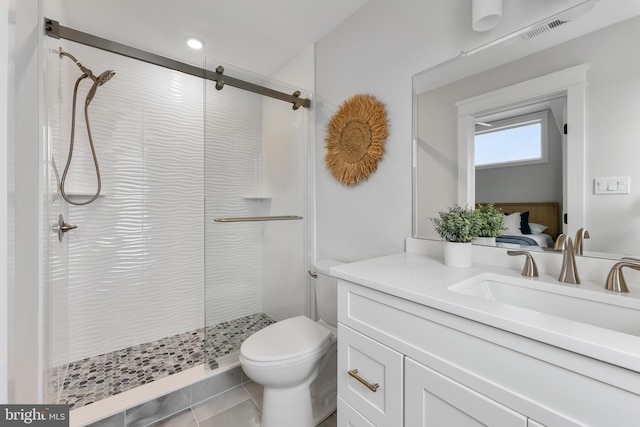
(286, 342)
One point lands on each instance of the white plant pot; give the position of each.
(457, 255)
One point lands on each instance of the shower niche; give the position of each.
(150, 283)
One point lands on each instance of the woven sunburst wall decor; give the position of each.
(355, 139)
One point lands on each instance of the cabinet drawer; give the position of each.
(433, 399)
(349, 417)
(375, 364)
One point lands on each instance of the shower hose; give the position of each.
(71, 142)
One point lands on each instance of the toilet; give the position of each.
(295, 361)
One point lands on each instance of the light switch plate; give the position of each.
(612, 185)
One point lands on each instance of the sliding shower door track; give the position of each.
(55, 30)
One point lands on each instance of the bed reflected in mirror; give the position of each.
(534, 224)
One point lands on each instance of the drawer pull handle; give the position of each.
(354, 373)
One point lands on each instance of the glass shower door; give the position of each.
(255, 213)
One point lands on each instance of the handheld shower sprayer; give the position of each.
(97, 81)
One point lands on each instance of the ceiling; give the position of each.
(256, 35)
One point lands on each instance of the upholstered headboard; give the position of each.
(545, 213)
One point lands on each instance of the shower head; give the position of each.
(98, 81)
(104, 77)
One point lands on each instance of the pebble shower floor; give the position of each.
(98, 377)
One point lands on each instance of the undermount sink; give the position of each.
(585, 304)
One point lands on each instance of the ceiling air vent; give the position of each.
(541, 29)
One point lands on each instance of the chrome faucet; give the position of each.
(615, 279)
(530, 268)
(568, 271)
(581, 234)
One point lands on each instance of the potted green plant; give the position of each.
(490, 223)
(458, 227)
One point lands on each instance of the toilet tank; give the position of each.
(327, 292)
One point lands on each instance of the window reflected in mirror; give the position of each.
(511, 142)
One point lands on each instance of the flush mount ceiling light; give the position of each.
(194, 43)
(486, 14)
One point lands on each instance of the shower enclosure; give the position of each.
(198, 236)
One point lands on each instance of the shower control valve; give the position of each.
(63, 227)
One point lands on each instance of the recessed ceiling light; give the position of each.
(194, 43)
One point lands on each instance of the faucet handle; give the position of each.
(530, 268)
(615, 279)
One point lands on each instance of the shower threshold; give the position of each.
(95, 378)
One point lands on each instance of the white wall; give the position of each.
(613, 103)
(376, 51)
(26, 352)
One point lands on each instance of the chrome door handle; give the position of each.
(63, 227)
(354, 373)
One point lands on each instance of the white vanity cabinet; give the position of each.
(434, 368)
(431, 399)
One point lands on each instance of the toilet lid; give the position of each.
(288, 339)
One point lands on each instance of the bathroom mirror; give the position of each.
(593, 87)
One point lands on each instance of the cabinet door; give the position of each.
(375, 363)
(349, 417)
(431, 399)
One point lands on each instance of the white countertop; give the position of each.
(425, 280)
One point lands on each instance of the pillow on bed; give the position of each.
(537, 228)
(512, 223)
(524, 223)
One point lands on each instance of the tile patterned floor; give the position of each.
(238, 407)
(95, 378)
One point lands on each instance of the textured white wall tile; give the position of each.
(174, 153)
(233, 158)
(135, 264)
